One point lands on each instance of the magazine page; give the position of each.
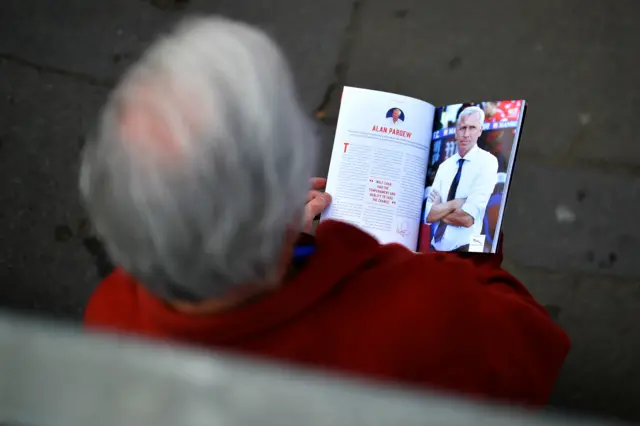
(378, 164)
(473, 150)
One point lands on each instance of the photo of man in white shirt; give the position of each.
(462, 187)
(397, 117)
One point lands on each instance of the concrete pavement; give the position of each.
(574, 62)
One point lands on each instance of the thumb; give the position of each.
(317, 205)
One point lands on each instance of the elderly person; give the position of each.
(395, 117)
(198, 181)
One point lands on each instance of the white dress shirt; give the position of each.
(427, 191)
(477, 181)
(391, 123)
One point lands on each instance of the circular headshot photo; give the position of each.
(395, 116)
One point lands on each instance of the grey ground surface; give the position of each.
(576, 63)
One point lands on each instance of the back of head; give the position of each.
(201, 162)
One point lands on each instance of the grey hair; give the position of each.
(470, 111)
(217, 216)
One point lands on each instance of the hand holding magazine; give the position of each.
(429, 178)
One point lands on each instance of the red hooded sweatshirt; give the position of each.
(451, 322)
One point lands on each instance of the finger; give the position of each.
(318, 183)
(317, 205)
(313, 194)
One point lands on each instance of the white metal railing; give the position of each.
(55, 375)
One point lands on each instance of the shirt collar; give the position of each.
(470, 155)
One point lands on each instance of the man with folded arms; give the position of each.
(462, 187)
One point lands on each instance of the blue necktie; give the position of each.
(452, 194)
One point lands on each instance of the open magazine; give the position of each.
(429, 178)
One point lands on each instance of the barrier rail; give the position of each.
(53, 375)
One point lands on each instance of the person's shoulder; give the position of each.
(385, 282)
(408, 298)
(388, 267)
(112, 302)
(487, 156)
(404, 284)
(411, 268)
